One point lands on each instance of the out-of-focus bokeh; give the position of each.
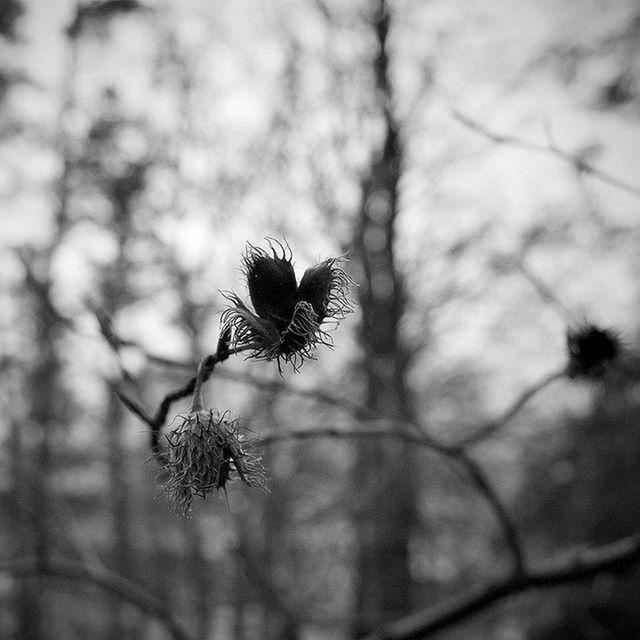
(478, 163)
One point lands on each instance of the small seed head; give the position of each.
(202, 452)
(285, 323)
(591, 351)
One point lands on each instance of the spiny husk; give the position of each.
(591, 351)
(285, 323)
(202, 452)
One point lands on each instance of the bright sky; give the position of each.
(248, 156)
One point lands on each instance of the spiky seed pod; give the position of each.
(285, 323)
(326, 287)
(272, 284)
(591, 351)
(202, 452)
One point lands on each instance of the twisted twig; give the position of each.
(617, 556)
(102, 578)
(577, 161)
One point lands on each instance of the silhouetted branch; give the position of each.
(454, 455)
(158, 419)
(509, 530)
(577, 161)
(102, 578)
(490, 428)
(40, 286)
(577, 565)
(358, 411)
(542, 288)
(386, 428)
(420, 440)
(418, 436)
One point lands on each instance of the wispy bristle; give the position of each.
(201, 453)
(285, 324)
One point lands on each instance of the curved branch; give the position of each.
(511, 535)
(102, 578)
(490, 428)
(331, 432)
(576, 566)
(358, 411)
(455, 455)
(575, 160)
(157, 421)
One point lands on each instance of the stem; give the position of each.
(197, 403)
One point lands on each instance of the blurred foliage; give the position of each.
(10, 12)
(151, 142)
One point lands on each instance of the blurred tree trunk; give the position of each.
(44, 382)
(200, 575)
(45, 413)
(383, 481)
(277, 559)
(120, 505)
(115, 289)
(201, 583)
(19, 504)
(240, 589)
(47, 401)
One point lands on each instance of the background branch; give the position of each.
(157, 421)
(460, 459)
(356, 410)
(490, 428)
(99, 577)
(577, 161)
(578, 565)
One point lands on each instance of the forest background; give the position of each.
(437, 471)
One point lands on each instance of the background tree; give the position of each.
(481, 180)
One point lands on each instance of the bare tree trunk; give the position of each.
(45, 413)
(201, 577)
(240, 589)
(116, 291)
(123, 560)
(28, 596)
(384, 478)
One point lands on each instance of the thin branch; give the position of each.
(490, 428)
(575, 566)
(543, 289)
(134, 406)
(157, 420)
(421, 440)
(353, 408)
(358, 411)
(457, 456)
(41, 287)
(102, 578)
(418, 436)
(575, 160)
(511, 536)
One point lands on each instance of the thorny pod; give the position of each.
(285, 322)
(202, 452)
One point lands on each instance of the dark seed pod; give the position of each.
(201, 453)
(285, 324)
(272, 284)
(591, 351)
(315, 288)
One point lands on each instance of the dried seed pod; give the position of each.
(591, 351)
(202, 452)
(285, 323)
